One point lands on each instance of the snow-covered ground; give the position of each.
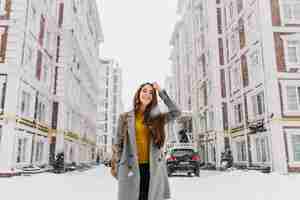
(97, 184)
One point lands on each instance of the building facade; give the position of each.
(245, 85)
(181, 57)
(192, 55)
(110, 105)
(77, 80)
(48, 88)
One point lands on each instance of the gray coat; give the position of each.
(128, 168)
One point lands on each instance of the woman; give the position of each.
(138, 147)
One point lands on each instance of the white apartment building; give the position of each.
(181, 57)
(194, 79)
(48, 87)
(110, 105)
(77, 80)
(249, 101)
(27, 38)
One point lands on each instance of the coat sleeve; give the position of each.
(117, 146)
(174, 111)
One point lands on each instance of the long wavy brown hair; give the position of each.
(154, 123)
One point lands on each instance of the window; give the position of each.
(296, 147)
(235, 77)
(33, 19)
(211, 152)
(29, 55)
(39, 151)
(241, 150)
(68, 120)
(233, 43)
(293, 52)
(203, 96)
(211, 120)
(251, 28)
(45, 73)
(3, 35)
(240, 5)
(291, 44)
(25, 104)
(238, 114)
(258, 106)
(219, 20)
(39, 65)
(225, 116)
(202, 41)
(22, 150)
(3, 82)
(255, 67)
(90, 25)
(290, 10)
(61, 14)
(2, 6)
(48, 41)
(262, 149)
(293, 98)
(293, 142)
(42, 30)
(231, 10)
(41, 112)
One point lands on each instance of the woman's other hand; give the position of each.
(156, 86)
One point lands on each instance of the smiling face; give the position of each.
(146, 95)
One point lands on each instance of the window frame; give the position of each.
(235, 112)
(291, 3)
(285, 84)
(31, 104)
(252, 27)
(256, 72)
(236, 76)
(25, 150)
(240, 144)
(26, 99)
(290, 133)
(234, 43)
(291, 38)
(3, 33)
(258, 155)
(254, 110)
(2, 7)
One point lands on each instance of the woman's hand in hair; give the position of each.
(156, 86)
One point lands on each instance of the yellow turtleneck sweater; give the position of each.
(142, 139)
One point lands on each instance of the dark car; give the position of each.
(183, 159)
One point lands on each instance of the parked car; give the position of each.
(183, 159)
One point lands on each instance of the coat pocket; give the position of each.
(123, 171)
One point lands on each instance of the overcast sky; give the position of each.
(137, 35)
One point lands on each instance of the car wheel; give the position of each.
(189, 174)
(169, 173)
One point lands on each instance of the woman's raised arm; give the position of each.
(174, 111)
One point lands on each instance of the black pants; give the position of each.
(145, 179)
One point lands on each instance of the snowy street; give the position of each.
(97, 184)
